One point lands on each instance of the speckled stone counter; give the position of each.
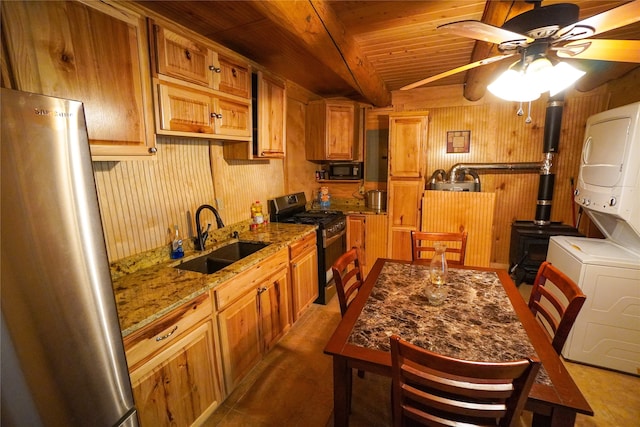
(149, 293)
(354, 206)
(476, 322)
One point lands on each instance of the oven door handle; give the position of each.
(328, 242)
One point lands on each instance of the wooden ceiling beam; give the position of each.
(495, 13)
(315, 24)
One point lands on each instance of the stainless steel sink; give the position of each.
(221, 257)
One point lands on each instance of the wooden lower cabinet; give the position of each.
(304, 274)
(173, 367)
(368, 233)
(404, 210)
(253, 315)
(240, 338)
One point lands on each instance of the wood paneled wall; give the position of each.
(140, 201)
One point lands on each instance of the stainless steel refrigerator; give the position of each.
(63, 361)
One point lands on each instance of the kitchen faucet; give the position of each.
(201, 239)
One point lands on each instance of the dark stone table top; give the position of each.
(476, 322)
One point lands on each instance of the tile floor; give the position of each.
(292, 386)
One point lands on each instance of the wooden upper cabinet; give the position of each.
(185, 111)
(407, 144)
(234, 77)
(269, 115)
(180, 57)
(96, 53)
(331, 131)
(197, 92)
(269, 139)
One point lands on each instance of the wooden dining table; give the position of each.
(484, 317)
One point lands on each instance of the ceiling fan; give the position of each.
(544, 29)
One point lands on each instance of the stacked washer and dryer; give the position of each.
(607, 330)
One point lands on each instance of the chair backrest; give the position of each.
(422, 245)
(431, 389)
(348, 277)
(556, 312)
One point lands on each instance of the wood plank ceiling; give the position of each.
(365, 49)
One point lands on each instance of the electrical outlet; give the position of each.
(361, 189)
(220, 204)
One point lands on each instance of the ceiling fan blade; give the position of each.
(456, 71)
(480, 31)
(611, 19)
(603, 50)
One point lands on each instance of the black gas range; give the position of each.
(330, 236)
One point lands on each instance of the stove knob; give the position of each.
(576, 192)
(612, 201)
(586, 202)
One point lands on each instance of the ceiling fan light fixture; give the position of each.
(525, 82)
(563, 76)
(512, 86)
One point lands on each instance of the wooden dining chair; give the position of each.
(555, 311)
(436, 390)
(422, 245)
(348, 277)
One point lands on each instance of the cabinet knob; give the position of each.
(216, 115)
(153, 150)
(234, 73)
(215, 69)
(187, 54)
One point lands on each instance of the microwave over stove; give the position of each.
(345, 170)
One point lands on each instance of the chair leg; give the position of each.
(349, 389)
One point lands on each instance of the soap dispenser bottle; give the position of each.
(177, 251)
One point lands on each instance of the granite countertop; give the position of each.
(354, 206)
(476, 322)
(148, 293)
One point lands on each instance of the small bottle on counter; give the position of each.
(177, 251)
(256, 215)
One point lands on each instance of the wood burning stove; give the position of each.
(529, 244)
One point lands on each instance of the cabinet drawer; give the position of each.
(300, 247)
(250, 279)
(234, 76)
(144, 343)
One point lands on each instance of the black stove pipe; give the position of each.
(552, 127)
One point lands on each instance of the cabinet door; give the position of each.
(239, 338)
(340, 137)
(272, 113)
(183, 58)
(304, 278)
(182, 110)
(231, 117)
(330, 130)
(96, 54)
(375, 240)
(273, 307)
(234, 77)
(180, 384)
(356, 236)
(407, 144)
(404, 215)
